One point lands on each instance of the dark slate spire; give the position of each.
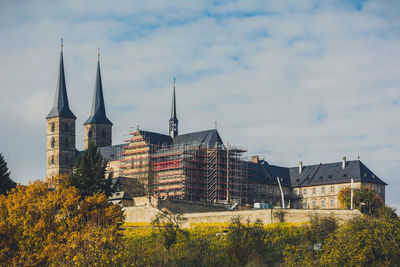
(98, 113)
(61, 107)
(173, 121)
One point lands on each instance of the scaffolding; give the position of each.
(191, 171)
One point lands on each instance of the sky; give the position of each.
(287, 80)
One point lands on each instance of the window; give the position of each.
(53, 142)
(304, 205)
(305, 191)
(52, 160)
(52, 127)
(103, 132)
(332, 189)
(296, 192)
(379, 189)
(322, 190)
(323, 204)
(314, 191)
(332, 202)
(66, 142)
(66, 127)
(313, 204)
(90, 134)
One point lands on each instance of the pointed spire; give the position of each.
(173, 121)
(173, 109)
(61, 107)
(98, 112)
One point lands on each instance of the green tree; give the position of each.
(89, 173)
(365, 200)
(6, 183)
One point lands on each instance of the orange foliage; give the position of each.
(39, 224)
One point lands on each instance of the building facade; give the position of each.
(195, 166)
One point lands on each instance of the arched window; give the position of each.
(53, 126)
(90, 134)
(52, 160)
(103, 132)
(53, 142)
(66, 142)
(66, 127)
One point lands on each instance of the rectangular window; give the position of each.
(314, 190)
(305, 191)
(313, 204)
(323, 204)
(332, 202)
(379, 189)
(304, 205)
(332, 189)
(323, 190)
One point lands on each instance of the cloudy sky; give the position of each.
(288, 80)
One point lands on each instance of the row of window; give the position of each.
(314, 190)
(103, 133)
(323, 204)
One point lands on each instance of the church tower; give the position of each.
(60, 130)
(173, 121)
(98, 126)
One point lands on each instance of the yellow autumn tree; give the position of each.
(46, 223)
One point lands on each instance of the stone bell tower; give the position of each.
(60, 130)
(98, 128)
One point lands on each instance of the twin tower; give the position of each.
(61, 149)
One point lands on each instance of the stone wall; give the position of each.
(147, 214)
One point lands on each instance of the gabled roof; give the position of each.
(333, 173)
(208, 138)
(98, 112)
(156, 138)
(312, 175)
(61, 106)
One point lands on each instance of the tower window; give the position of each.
(52, 127)
(90, 134)
(66, 142)
(103, 132)
(52, 160)
(53, 142)
(66, 127)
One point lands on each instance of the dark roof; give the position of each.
(61, 107)
(312, 175)
(156, 138)
(209, 138)
(110, 153)
(98, 113)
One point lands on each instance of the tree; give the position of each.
(6, 183)
(364, 199)
(41, 227)
(89, 173)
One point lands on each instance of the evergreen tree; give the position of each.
(89, 173)
(6, 183)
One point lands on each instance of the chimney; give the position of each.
(255, 159)
(300, 166)
(344, 162)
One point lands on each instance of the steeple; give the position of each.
(61, 107)
(173, 121)
(98, 113)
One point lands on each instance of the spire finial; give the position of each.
(62, 44)
(98, 53)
